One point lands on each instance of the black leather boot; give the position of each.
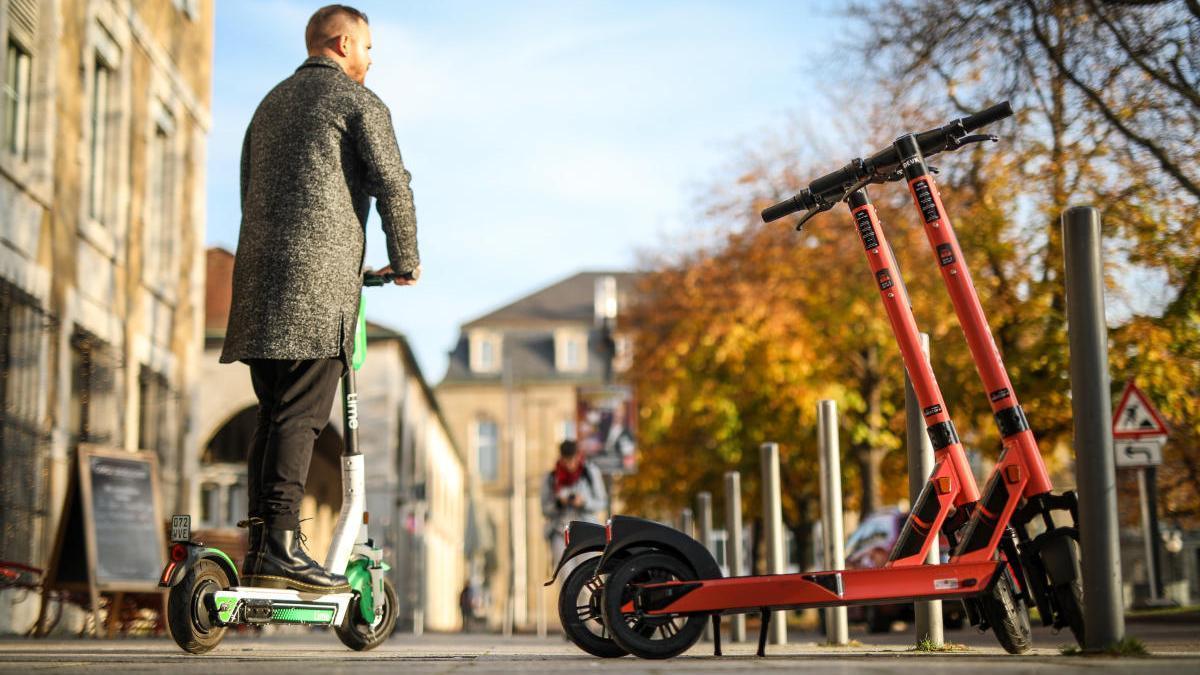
(282, 563)
(254, 541)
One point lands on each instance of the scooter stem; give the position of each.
(349, 523)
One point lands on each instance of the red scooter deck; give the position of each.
(816, 589)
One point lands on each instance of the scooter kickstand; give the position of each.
(716, 628)
(762, 632)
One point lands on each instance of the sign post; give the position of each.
(1139, 434)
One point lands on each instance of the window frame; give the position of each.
(17, 97)
(477, 441)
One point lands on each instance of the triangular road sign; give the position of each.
(1136, 417)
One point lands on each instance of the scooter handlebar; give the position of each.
(377, 279)
(884, 162)
(797, 202)
(985, 117)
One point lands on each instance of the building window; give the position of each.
(94, 415)
(24, 433)
(487, 355)
(483, 351)
(487, 449)
(18, 65)
(570, 351)
(160, 200)
(100, 167)
(154, 405)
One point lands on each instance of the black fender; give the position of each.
(581, 537)
(1059, 554)
(194, 552)
(628, 533)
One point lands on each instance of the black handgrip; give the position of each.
(986, 117)
(837, 181)
(798, 202)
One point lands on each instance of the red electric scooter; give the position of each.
(995, 575)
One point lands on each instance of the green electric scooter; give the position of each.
(206, 597)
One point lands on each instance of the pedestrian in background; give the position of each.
(572, 490)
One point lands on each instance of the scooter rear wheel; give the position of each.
(1008, 616)
(190, 609)
(649, 636)
(359, 634)
(581, 615)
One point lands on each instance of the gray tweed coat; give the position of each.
(318, 148)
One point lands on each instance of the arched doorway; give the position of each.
(222, 487)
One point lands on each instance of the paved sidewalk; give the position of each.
(1175, 649)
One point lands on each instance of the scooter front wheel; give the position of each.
(359, 634)
(190, 608)
(1007, 615)
(649, 636)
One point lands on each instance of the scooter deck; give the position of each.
(816, 589)
(251, 604)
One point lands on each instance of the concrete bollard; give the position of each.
(920, 465)
(773, 530)
(1091, 406)
(837, 630)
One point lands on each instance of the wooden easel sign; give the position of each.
(110, 537)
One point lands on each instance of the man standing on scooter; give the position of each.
(319, 146)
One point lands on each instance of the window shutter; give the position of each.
(23, 21)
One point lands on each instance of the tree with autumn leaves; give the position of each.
(736, 341)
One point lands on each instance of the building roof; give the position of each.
(567, 301)
(526, 331)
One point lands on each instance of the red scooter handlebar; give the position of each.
(884, 162)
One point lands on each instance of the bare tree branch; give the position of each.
(1102, 106)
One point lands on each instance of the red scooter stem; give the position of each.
(952, 483)
(1014, 430)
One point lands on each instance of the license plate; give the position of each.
(181, 528)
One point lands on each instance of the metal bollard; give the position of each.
(837, 632)
(920, 465)
(773, 530)
(1091, 407)
(704, 534)
(687, 522)
(733, 542)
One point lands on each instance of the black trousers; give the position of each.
(294, 400)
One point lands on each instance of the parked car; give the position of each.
(868, 547)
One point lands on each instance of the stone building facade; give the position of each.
(509, 395)
(104, 113)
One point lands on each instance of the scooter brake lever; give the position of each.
(807, 216)
(957, 142)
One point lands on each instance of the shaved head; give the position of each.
(341, 33)
(329, 23)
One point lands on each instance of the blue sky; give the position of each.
(543, 137)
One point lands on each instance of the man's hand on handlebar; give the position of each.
(407, 280)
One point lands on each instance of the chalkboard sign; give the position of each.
(120, 490)
(111, 535)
